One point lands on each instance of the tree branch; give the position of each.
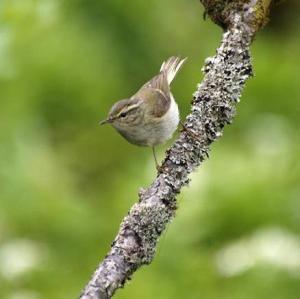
(213, 107)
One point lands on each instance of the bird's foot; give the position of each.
(160, 168)
(189, 132)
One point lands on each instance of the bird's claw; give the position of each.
(190, 132)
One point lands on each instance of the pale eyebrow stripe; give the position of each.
(127, 109)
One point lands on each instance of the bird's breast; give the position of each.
(153, 131)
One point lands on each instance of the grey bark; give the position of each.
(213, 107)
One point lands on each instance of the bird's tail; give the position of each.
(171, 67)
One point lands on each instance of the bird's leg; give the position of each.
(191, 133)
(155, 159)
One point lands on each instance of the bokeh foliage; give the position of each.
(65, 182)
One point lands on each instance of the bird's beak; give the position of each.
(105, 121)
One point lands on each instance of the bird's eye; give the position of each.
(123, 114)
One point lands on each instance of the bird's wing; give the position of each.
(159, 82)
(156, 101)
(156, 95)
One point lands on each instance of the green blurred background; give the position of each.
(66, 182)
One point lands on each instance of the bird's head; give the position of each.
(125, 113)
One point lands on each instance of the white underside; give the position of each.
(165, 128)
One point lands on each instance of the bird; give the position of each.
(151, 116)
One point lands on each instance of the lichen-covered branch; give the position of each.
(213, 107)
